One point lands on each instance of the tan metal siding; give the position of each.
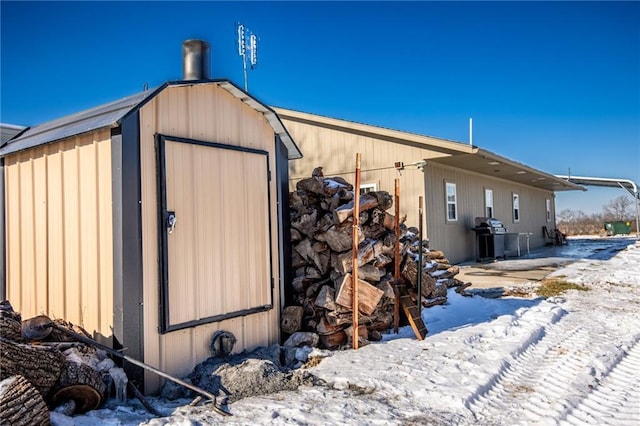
(218, 258)
(59, 231)
(456, 238)
(208, 113)
(335, 150)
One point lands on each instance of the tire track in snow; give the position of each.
(543, 380)
(616, 401)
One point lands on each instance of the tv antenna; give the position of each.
(247, 42)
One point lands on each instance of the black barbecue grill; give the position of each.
(489, 238)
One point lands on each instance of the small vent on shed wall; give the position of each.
(195, 60)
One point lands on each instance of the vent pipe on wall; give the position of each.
(195, 60)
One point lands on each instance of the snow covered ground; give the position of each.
(568, 360)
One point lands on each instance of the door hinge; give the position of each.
(269, 175)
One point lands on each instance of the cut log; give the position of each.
(368, 295)
(6, 310)
(306, 223)
(301, 201)
(302, 338)
(410, 273)
(373, 231)
(363, 334)
(295, 235)
(382, 322)
(21, 404)
(41, 366)
(292, 319)
(451, 282)
(435, 254)
(462, 289)
(325, 223)
(371, 273)
(319, 246)
(326, 298)
(385, 219)
(308, 272)
(385, 200)
(314, 185)
(342, 196)
(10, 329)
(367, 251)
(339, 237)
(451, 272)
(296, 260)
(305, 249)
(10, 322)
(387, 288)
(382, 260)
(300, 284)
(367, 202)
(324, 328)
(82, 384)
(334, 340)
(439, 291)
(434, 302)
(339, 318)
(442, 266)
(342, 183)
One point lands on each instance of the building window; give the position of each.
(516, 208)
(488, 202)
(452, 202)
(368, 187)
(548, 204)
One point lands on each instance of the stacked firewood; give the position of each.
(321, 234)
(42, 369)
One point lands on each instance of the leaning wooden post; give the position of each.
(396, 258)
(355, 233)
(420, 201)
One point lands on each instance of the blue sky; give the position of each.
(555, 85)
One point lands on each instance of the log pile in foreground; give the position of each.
(43, 369)
(321, 235)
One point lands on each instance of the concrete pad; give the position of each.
(539, 263)
(492, 275)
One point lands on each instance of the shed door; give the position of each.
(216, 255)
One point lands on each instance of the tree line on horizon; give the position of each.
(576, 222)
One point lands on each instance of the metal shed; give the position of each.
(152, 221)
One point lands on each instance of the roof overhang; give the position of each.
(455, 154)
(443, 146)
(488, 163)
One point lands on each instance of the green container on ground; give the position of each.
(618, 227)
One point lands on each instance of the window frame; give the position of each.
(488, 202)
(515, 204)
(548, 208)
(368, 187)
(454, 203)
